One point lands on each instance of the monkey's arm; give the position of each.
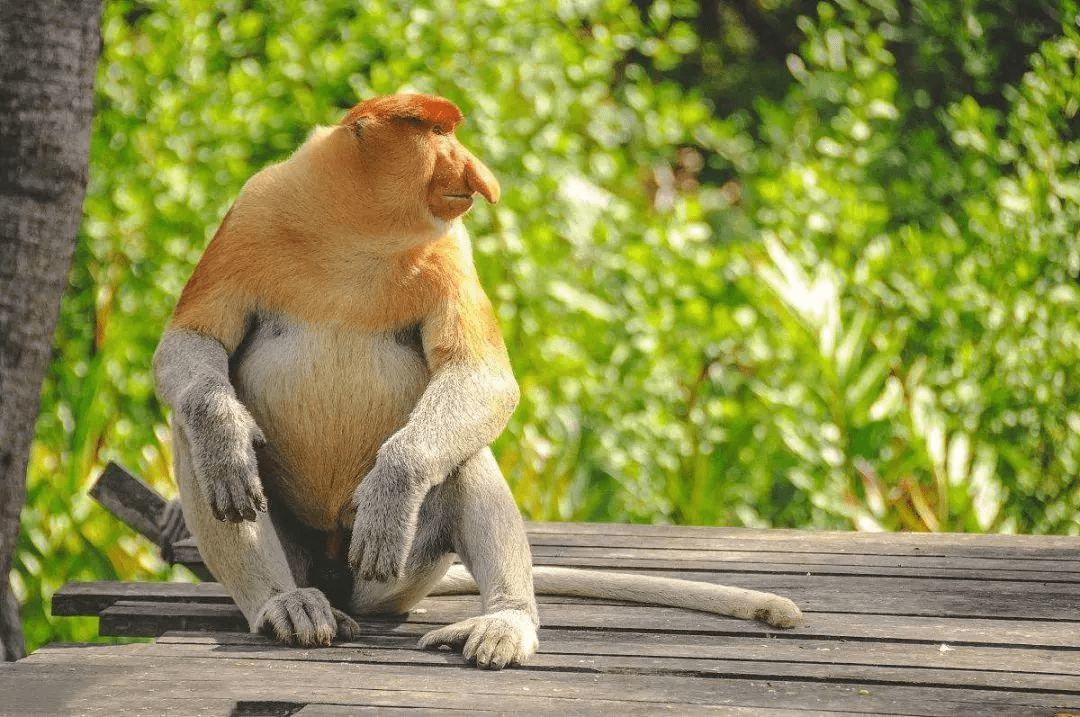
(468, 400)
(191, 366)
(192, 372)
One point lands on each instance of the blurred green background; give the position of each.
(758, 262)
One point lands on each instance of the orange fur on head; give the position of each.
(442, 114)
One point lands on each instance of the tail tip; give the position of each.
(779, 612)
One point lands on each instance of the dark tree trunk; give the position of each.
(50, 51)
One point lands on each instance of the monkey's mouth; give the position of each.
(450, 206)
(458, 203)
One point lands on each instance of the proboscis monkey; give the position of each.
(336, 375)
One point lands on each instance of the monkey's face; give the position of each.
(457, 175)
(414, 172)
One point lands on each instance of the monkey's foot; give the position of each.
(493, 641)
(778, 612)
(304, 618)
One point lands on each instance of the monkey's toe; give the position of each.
(299, 618)
(347, 628)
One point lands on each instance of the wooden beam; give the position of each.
(130, 499)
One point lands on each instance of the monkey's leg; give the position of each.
(250, 562)
(489, 536)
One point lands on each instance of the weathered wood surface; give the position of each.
(130, 499)
(895, 624)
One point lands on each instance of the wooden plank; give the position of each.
(91, 598)
(538, 706)
(130, 499)
(808, 542)
(916, 566)
(235, 675)
(813, 593)
(573, 645)
(1042, 553)
(929, 629)
(755, 664)
(1049, 546)
(151, 619)
(728, 567)
(178, 693)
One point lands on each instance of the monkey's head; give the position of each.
(411, 166)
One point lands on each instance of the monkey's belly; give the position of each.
(326, 401)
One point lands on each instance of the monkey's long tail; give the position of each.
(646, 589)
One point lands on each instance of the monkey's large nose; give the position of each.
(479, 178)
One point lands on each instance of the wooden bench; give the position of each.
(895, 624)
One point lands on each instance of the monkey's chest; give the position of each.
(326, 399)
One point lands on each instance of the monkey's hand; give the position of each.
(387, 503)
(304, 618)
(223, 438)
(493, 641)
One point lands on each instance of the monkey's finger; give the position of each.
(216, 507)
(254, 504)
(238, 504)
(239, 501)
(254, 496)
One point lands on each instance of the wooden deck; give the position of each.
(895, 624)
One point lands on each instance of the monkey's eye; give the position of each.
(438, 130)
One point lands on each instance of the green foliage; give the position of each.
(814, 266)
